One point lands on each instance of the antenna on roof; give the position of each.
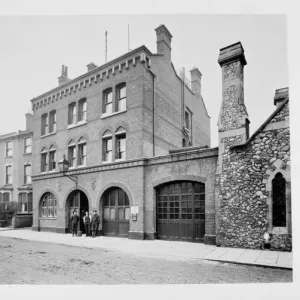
(106, 46)
(128, 39)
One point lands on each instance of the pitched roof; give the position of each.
(278, 109)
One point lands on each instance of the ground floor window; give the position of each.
(25, 203)
(49, 206)
(279, 200)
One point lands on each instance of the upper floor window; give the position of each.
(52, 125)
(121, 97)
(45, 124)
(82, 152)
(44, 162)
(187, 119)
(27, 174)
(107, 146)
(279, 200)
(9, 148)
(107, 101)
(72, 154)
(52, 159)
(27, 145)
(82, 110)
(8, 175)
(72, 113)
(120, 143)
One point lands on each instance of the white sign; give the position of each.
(134, 209)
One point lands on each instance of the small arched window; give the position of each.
(44, 160)
(72, 154)
(120, 143)
(279, 200)
(107, 146)
(82, 152)
(48, 206)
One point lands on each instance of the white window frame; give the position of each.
(72, 145)
(26, 181)
(7, 154)
(28, 146)
(82, 143)
(5, 172)
(51, 151)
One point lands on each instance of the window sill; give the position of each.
(48, 218)
(104, 116)
(27, 153)
(119, 160)
(52, 171)
(279, 230)
(107, 162)
(48, 134)
(81, 166)
(8, 156)
(76, 125)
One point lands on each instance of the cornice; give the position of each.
(93, 77)
(190, 154)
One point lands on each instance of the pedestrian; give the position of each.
(87, 223)
(74, 222)
(95, 223)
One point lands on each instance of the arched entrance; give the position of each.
(116, 212)
(77, 200)
(180, 211)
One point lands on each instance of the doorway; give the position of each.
(77, 201)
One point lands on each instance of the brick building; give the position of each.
(15, 175)
(137, 141)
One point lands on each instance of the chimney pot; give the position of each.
(280, 96)
(196, 80)
(91, 66)
(163, 41)
(64, 75)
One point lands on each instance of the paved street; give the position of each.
(30, 262)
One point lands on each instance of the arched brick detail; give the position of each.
(179, 177)
(114, 184)
(80, 188)
(104, 128)
(123, 124)
(47, 190)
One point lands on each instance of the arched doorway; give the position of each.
(180, 211)
(77, 200)
(116, 212)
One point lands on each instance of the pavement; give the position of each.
(161, 249)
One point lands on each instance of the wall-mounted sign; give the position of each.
(134, 210)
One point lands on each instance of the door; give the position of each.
(77, 201)
(116, 212)
(181, 211)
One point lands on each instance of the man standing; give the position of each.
(95, 223)
(74, 222)
(87, 223)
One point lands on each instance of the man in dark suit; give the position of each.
(95, 223)
(74, 222)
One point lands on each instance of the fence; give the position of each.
(7, 212)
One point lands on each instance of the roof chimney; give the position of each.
(64, 75)
(163, 41)
(280, 96)
(196, 80)
(91, 66)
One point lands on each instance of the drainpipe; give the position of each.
(153, 110)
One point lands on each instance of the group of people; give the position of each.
(91, 223)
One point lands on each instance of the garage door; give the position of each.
(181, 211)
(116, 212)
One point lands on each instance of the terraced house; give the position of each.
(15, 176)
(131, 139)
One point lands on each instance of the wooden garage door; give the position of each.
(181, 211)
(116, 212)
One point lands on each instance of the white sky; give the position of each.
(33, 48)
